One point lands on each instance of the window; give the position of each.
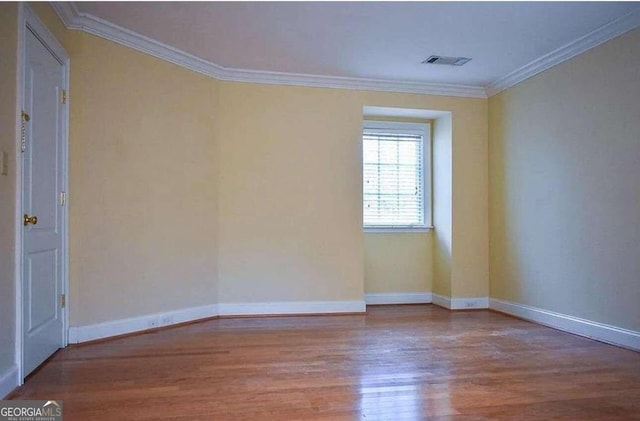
(396, 182)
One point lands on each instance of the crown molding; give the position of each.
(67, 12)
(74, 19)
(599, 36)
(384, 85)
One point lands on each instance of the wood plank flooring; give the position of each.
(394, 363)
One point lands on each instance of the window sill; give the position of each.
(395, 230)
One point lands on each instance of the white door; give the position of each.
(42, 184)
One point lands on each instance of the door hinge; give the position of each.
(63, 96)
(63, 301)
(63, 198)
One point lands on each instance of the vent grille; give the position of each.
(448, 61)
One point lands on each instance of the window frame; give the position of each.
(423, 129)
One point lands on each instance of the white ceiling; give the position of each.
(381, 40)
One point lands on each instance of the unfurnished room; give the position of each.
(320, 211)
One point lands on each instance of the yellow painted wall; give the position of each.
(442, 204)
(290, 192)
(188, 191)
(565, 187)
(290, 212)
(470, 212)
(143, 184)
(398, 262)
(8, 68)
(143, 195)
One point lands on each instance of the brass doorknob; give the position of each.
(29, 220)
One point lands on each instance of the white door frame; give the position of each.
(28, 20)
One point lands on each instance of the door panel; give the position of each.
(43, 306)
(41, 185)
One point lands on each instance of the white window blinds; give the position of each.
(393, 177)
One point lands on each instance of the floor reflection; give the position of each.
(401, 401)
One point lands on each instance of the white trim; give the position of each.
(291, 307)
(8, 381)
(62, 56)
(18, 198)
(470, 303)
(441, 301)
(67, 11)
(382, 85)
(590, 329)
(395, 230)
(599, 36)
(398, 298)
(72, 335)
(74, 19)
(463, 303)
(149, 321)
(66, 288)
(136, 324)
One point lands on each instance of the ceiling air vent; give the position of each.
(449, 61)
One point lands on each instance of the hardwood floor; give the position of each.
(394, 363)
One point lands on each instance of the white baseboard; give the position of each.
(291, 307)
(8, 381)
(398, 298)
(464, 303)
(594, 330)
(136, 324)
(469, 303)
(441, 301)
